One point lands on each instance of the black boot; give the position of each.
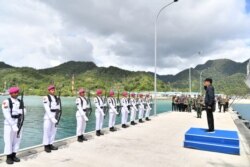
(47, 149)
(147, 119)
(53, 147)
(141, 121)
(14, 158)
(9, 159)
(132, 123)
(112, 129)
(84, 139)
(124, 126)
(98, 133)
(79, 139)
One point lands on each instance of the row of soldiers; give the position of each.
(187, 103)
(14, 113)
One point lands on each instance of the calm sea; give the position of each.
(243, 109)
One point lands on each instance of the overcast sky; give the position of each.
(46, 33)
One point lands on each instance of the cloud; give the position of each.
(33, 34)
(121, 33)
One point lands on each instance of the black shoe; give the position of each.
(53, 147)
(9, 159)
(98, 133)
(141, 121)
(147, 119)
(210, 131)
(124, 126)
(14, 158)
(112, 129)
(132, 123)
(47, 149)
(84, 139)
(79, 139)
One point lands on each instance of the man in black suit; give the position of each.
(209, 103)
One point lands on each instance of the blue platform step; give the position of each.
(222, 141)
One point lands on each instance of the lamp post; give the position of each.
(190, 82)
(201, 82)
(155, 76)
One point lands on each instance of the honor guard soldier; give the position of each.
(125, 111)
(51, 106)
(141, 108)
(112, 111)
(81, 118)
(13, 118)
(148, 108)
(99, 114)
(133, 109)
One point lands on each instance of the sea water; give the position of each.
(33, 124)
(243, 109)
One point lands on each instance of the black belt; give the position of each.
(101, 107)
(85, 110)
(53, 110)
(16, 116)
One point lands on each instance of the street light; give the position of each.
(190, 77)
(155, 77)
(201, 82)
(190, 81)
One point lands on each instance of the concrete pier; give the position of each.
(158, 143)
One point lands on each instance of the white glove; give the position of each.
(15, 128)
(85, 117)
(53, 120)
(116, 113)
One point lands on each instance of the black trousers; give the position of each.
(210, 119)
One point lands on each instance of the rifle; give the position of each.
(129, 105)
(137, 100)
(59, 112)
(105, 108)
(118, 106)
(90, 105)
(21, 118)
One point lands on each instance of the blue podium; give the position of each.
(222, 141)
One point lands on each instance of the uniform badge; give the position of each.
(5, 104)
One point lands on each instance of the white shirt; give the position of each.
(15, 111)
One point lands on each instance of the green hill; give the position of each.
(228, 78)
(86, 74)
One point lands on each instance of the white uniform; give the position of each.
(112, 111)
(141, 108)
(81, 118)
(99, 114)
(49, 126)
(11, 141)
(125, 111)
(148, 108)
(133, 109)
